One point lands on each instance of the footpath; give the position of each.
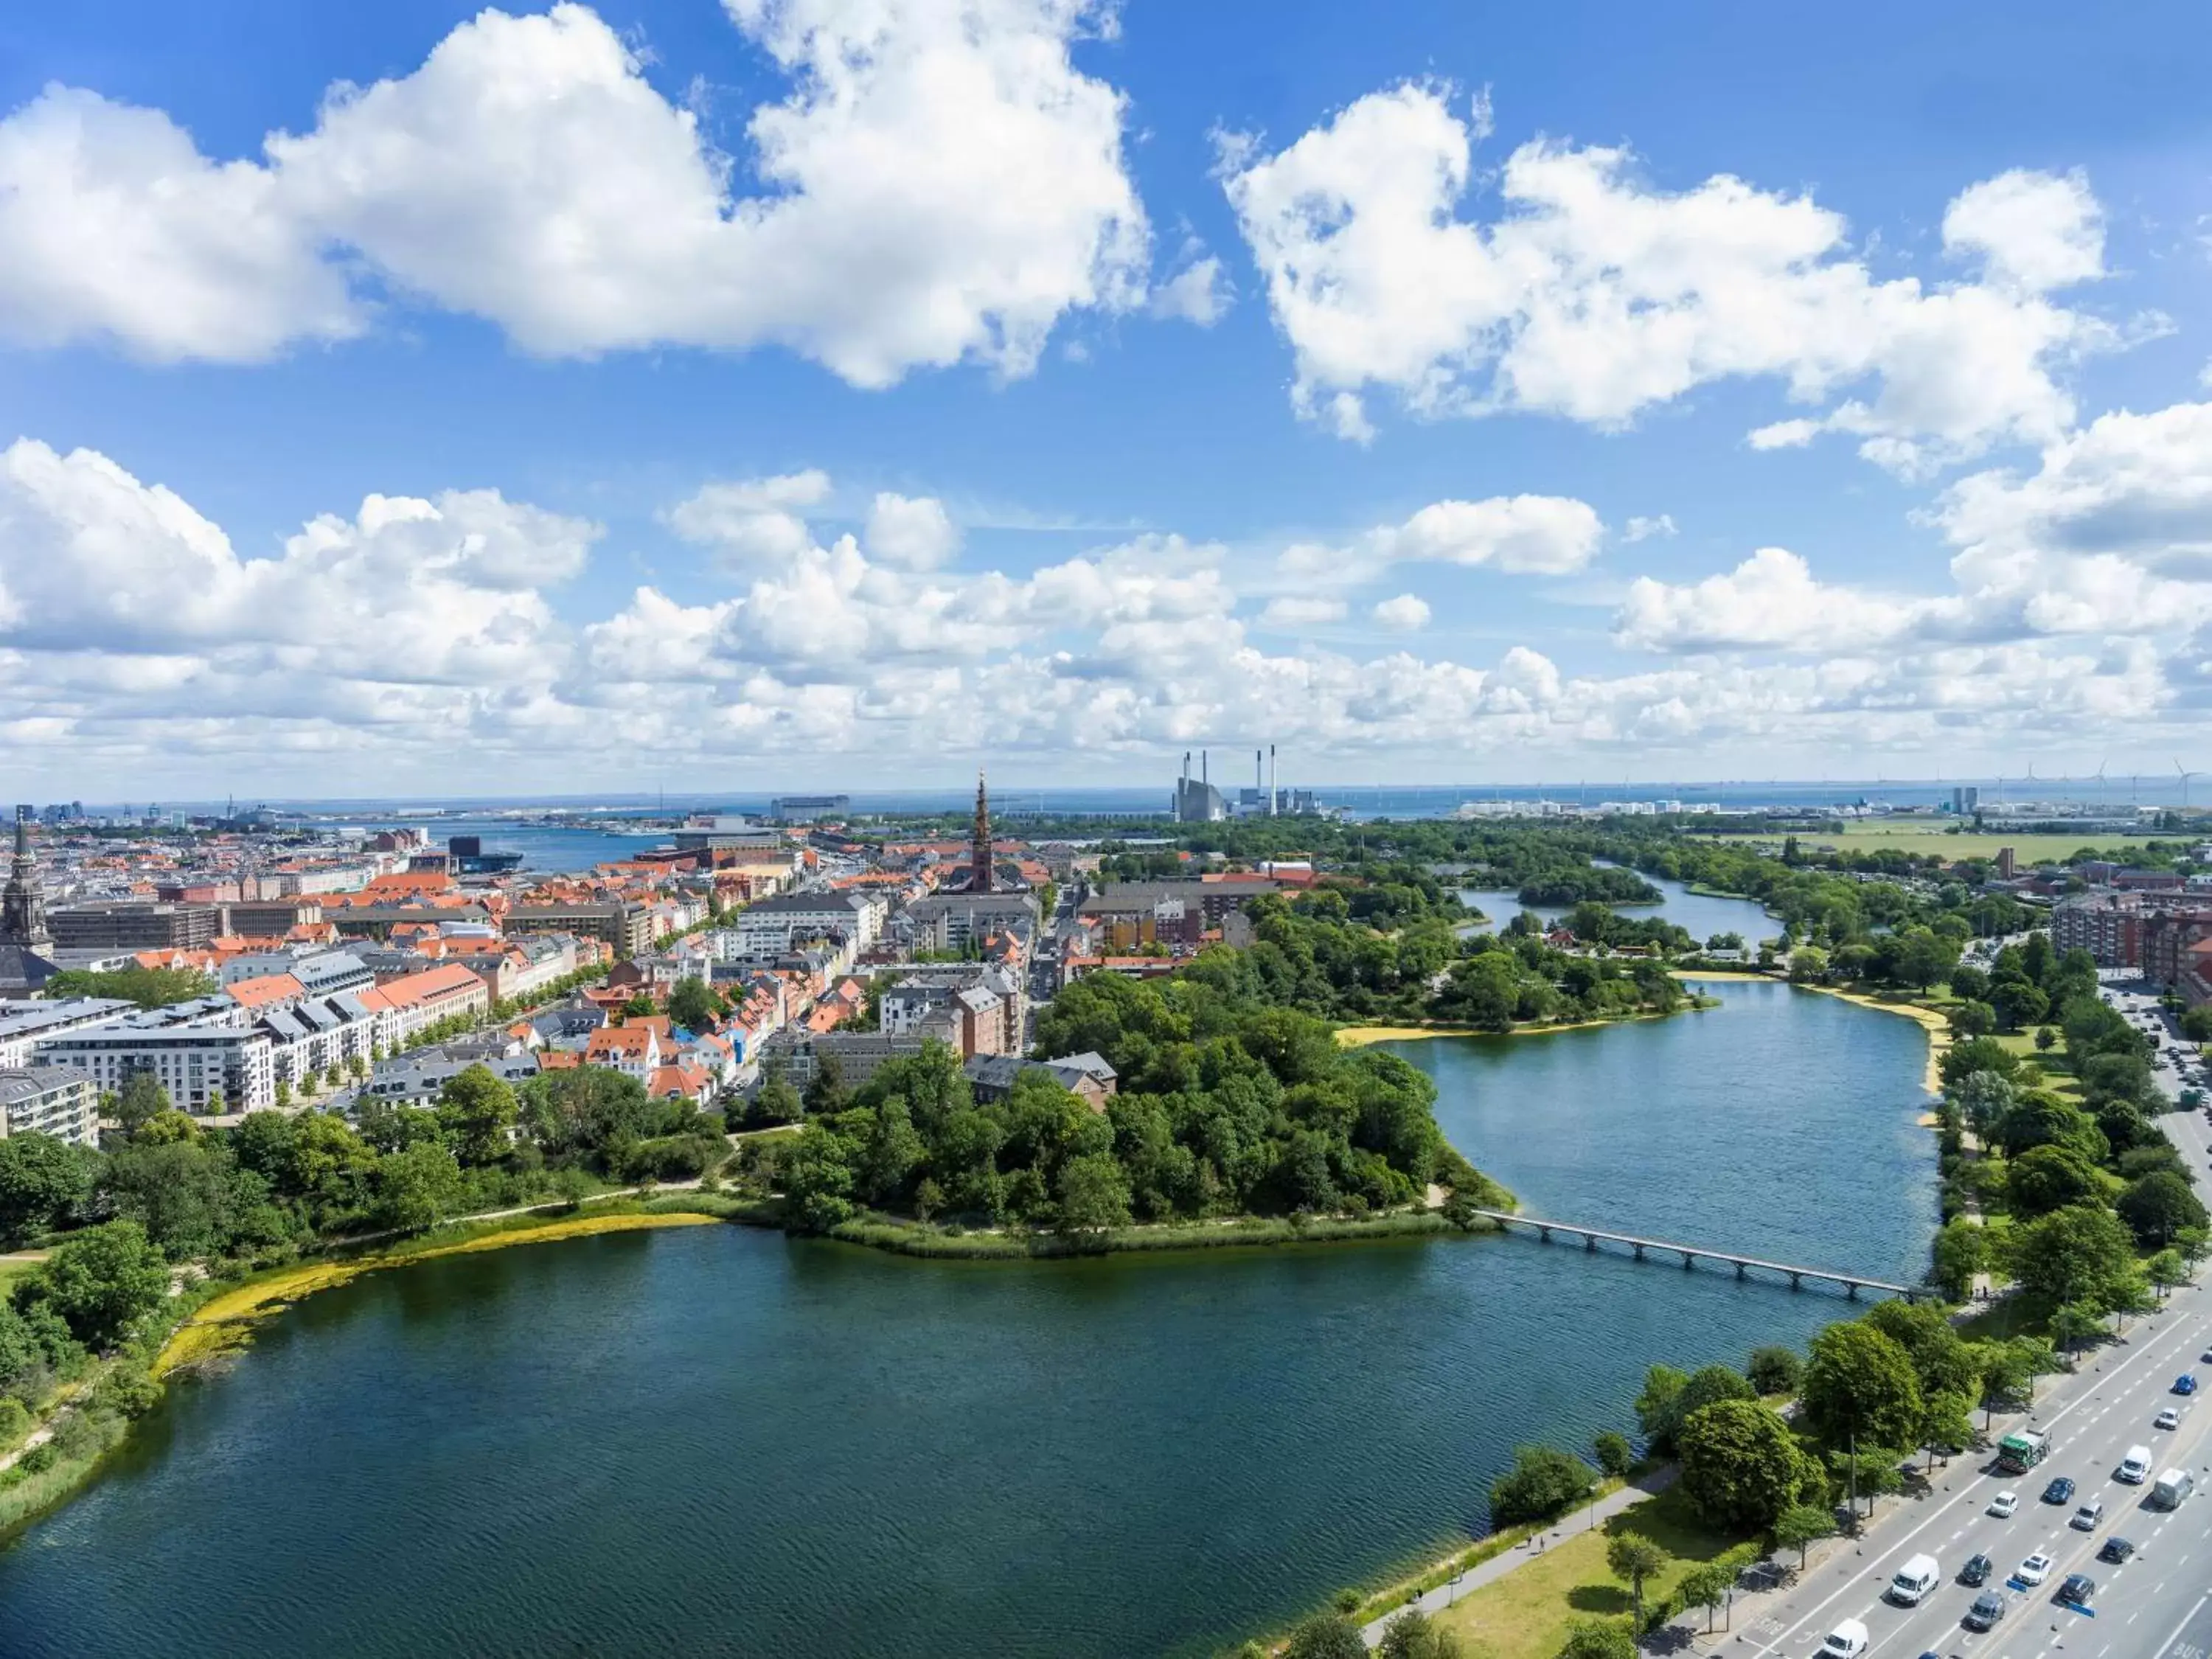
(1487, 1573)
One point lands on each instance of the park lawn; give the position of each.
(10, 1273)
(1920, 841)
(2058, 1070)
(1525, 1615)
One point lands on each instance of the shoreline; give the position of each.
(222, 1321)
(225, 1322)
(1363, 1036)
(1937, 1027)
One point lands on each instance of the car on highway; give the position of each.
(1989, 1607)
(2003, 1504)
(2060, 1491)
(1977, 1571)
(2117, 1549)
(2086, 1517)
(2168, 1418)
(2185, 1384)
(2078, 1591)
(2035, 1569)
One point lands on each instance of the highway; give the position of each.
(2156, 1606)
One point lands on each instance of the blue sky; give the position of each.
(1424, 481)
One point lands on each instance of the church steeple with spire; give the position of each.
(22, 905)
(979, 853)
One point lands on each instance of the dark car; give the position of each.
(1989, 1607)
(2060, 1491)
(2116, 1549)
(2184, 1384)
(1977, 1571)
(2079, 1590)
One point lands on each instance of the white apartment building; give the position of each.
(27, 1023)
(59, 1101)
(205, 1065)
(769, 927)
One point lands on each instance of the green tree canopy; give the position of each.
(2158, 1207)
(1543, 1482)
(1860, 1382)
(2082, 1253)
(1774, 1369)
(2047, 1178)
(477, 1110)
(1740, 1465)
(1326, 1636)
(1599, 1639)
(1414, 1635)
(99, 1282)
(43, 1182)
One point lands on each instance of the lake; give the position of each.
(718, 1440)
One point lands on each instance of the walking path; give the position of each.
(1584, 1520)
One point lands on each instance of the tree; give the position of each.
(817, 1181)
(1972, 1019)
(417, 1187)
(1774, 1369)
(694, 1006)
(1740, 1466)
(2072, 1323)
(774, 1102)
(1859, 1382)
(477, 1110)
(2047, 1178)
(99, 1282)
(1868, 1472)
(825, 1090)
(2157, 1206)
(1655, 1406)
(1949, 1424)
(1543, 1482)
(2080, 1253)
(1326, 1636)
(1708, 1586)
(2007, 1377)
(43, 1182)
(1797, 1528)
(1706, 1386)
(1984, 1099)
(2045, 1040)
(1615, 1456)
(1598, 1638)
(183, 1193)
(1414, 1635)
(1981, 1054)
(2167, 1269)
(166, 1128)
(1633, 1557)
(1094, 1194)
(142, 1098)
(1962, 1251)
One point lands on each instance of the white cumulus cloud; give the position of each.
(940, 183)
(1595, 295)
(1407, 613)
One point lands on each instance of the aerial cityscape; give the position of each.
(1005, 828)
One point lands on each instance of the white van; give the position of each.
(2134, 1467)
(1914, 1580)
(1847, 1641)
(2173, 1486)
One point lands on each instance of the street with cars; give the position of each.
(2099, 1551)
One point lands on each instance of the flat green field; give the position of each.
(1922, 839)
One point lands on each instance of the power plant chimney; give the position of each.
(1204, 780)
(1259, 772)
(1272, 808)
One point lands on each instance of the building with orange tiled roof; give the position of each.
(267, 993)
(633, 1049)
(407, 1004)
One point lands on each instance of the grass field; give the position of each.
(1525, 1615)
(1921, 839)
(10, 1271)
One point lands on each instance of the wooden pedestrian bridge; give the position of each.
(1797, 1273)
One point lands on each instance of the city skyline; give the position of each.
(444, 402)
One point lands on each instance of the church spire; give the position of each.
(979, 854)
(23, 906)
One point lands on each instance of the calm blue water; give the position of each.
(1702, 915)
(717, 1441)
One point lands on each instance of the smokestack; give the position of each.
(1272, 798)
(1259, 772)
(1205, 782)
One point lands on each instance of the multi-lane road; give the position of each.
(2158, 1605)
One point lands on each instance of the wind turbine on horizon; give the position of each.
(2186, 777)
